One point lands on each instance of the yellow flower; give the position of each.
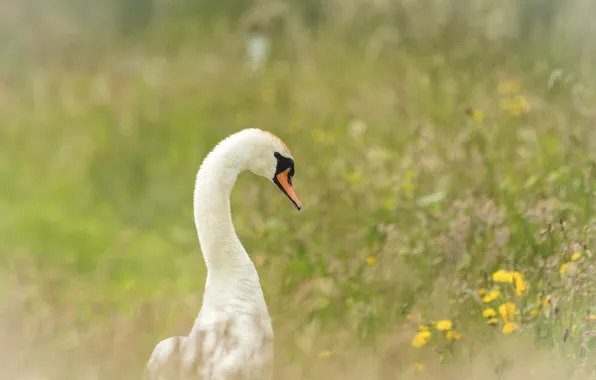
(506, 104)
(481, 292)
(371, 260)
(444, 325)
(503, 276)
(493, 321)
(508, 87)
(410, 316)
(534, 312)
(423, 328)
(520, 284)
(573, 327)
(576, 256)
(591, 318)
(325, 354)
(489, 313)
(563, 269)
(509, 327)
(419, 367)
(453, 335)
(545, 301)
(507, 311)
(522, 103)
(490, 297)
(515, 106)
(421, 339)
(476, 114)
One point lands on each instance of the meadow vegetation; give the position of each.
(445, 164)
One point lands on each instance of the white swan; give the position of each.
(232, 337)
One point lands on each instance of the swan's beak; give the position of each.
(282, 181)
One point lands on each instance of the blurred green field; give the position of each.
(424, 165)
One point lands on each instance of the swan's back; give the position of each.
(165, 362)
(228, 349)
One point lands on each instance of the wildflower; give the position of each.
(545, 301)
(490, 297)
(591, 318)
(410, 316)
(421, 339)
(325, 354)
(503, 276)
(507, 311)
(441, 358)
(508, 87)
(563, 269)
(520, 284)
(371, 260)
(574, 327)
(481, 292)
(423, 328)
(489, 313)
(515, 106)
(476, 115)
(419, 367)
(523, 103)
(493, 321)
(509, 328)
(444, 325)
(534, 312)
(576, 256)
(453, 335)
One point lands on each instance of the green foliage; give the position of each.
(422, 171)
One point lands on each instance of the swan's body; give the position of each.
(232, 337)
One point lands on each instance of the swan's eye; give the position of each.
(283, 164)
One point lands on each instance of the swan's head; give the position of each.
(271, 158)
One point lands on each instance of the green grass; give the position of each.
(410, 205)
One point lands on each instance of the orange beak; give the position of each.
(284, 184)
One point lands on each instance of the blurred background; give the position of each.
(444, 157)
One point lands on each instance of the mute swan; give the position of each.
(232, 337)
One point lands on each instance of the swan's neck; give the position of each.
(232, 279)
(221, 247)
